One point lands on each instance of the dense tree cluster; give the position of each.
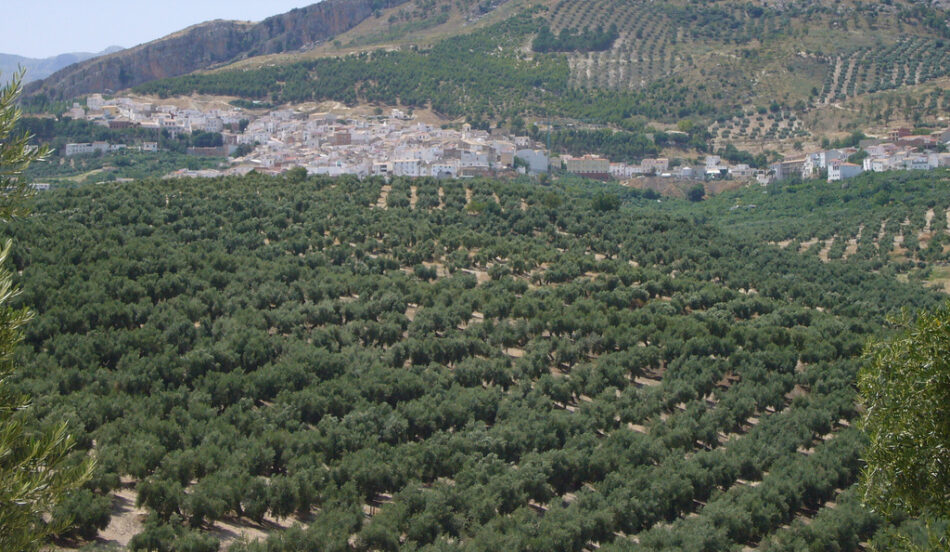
(59, 132)
(615, 145)
(893, 222)
(550, 369)
(572, 40)
(497, 81)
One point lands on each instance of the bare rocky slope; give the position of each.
(208, 44)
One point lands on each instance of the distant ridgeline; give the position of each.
(608, 61)
(207, 44)
(603, 61)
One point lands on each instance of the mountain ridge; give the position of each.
(206, 44)
(40, 68)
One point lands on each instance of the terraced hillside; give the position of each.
(895, 223)
(659, 39)
(669, 60)
(448, 365)
(755, 125)
(867, 70)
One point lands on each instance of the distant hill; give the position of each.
(207, 44)
(40, 68)
(752, 72)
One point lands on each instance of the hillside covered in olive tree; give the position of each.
(467, 365)
(827, 67)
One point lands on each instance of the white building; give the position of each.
(621, 171)
(838, 170)
(473, 159)
(876, 164)
(741, 171)
(95, 102)
(409, 167)
(537, 160)
(78, 149)
(444, 169)
(383, 168)
(655, 165)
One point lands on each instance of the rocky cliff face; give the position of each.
(205, 45)
(318, 22)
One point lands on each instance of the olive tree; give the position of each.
(35, 468)
(906, 391)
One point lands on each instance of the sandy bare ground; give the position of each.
(127, 520)
(852, 246)
(481, 276)
(925, 234)
(441, 198)
(524, 205)
(195, 101)
(806, 244)
(514, 352)
(898, 241)
(413, 196)
(880, 233)
(783, 244)
(383, 195)
(440, 270)
(233, 530)
(496, 198)
(823, 254)
(646, 382)
(468, 196)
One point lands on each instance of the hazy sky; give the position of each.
(44, 28)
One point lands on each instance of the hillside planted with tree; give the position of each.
(435, 365)
(612, 61)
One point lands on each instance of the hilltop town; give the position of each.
(397, 144)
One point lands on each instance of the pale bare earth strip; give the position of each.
(899, 238)
(413, 196)
(852, 247)
(233, 530)
(126, 521)
(383, 195)
(880, 234)
(823, 254)
(806, 244)
(834, 80)
(924, 236)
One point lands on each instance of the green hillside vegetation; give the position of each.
(59, 132)
(571, 40)
(894, 221)
(89, 169)
(459, 365)
(608, 61)
(497, 82)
